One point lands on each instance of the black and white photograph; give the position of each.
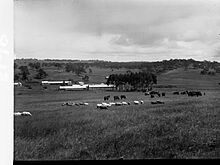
(116, 79)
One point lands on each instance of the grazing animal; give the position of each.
(118, 104)
(116, 98)
(106, 104)
(136, 102)
(158, 94)
(147, 93)
(123, 97)
(163, 93)
(86, 103)
(194, 93)
(98, 105)
(141, 101)
(17, 113)
(26, 114)
(124, 103)
(176, 93)
(106, 97)
(111, 103)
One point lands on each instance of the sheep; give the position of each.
(26, 114)
(124, 103)
(86, 103)
(17, 113)
(111, 103)
(98, 105)
(141, 101)
(118, 104)
(136, 102)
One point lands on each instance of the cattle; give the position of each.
(123, 97)
(163, 93)
(204, 93)
(106, 97)
(147, 93)
(26, 114)
(158, 94)
(183, 93)
(129, 103)
(194, 93)
(136, 102)
(152, 96)
(176, 93)
(116, 98)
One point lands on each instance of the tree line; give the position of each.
(132, 81)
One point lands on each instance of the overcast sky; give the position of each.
(117, 30)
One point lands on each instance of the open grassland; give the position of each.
(184, 127)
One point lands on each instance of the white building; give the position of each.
(59, 82)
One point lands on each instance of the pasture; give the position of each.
(183, 127)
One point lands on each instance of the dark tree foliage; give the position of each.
(77, 68)
(41, 74)
(35, 65)
(85, 78)
(24, 72)
(15, 65)
(136, 80)
(16, 77)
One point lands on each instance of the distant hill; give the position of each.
(98, 70)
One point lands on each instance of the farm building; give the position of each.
(101, 86)
(75, 87)
(59, 82)
(87, 87)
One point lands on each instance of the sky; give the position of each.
(117, 30)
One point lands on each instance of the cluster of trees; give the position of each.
(77, 68)
(208, 72)
(24, 73)
(133, 81)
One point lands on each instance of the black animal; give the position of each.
(176, 93)
(116, 98)
(103, 107)
(106, 97)
(158, 94)
(147, 93)
(163, 93)
(123, 97)
(152, 96)
(183, 93)
(194, 93)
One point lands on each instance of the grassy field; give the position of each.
(184, 127)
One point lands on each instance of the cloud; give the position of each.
(117, 29)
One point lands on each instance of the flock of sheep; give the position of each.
(22, 114)
(106, 105)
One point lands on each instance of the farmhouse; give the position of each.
(87, 87)
(59, 82)
(74, 87)
(101, 86)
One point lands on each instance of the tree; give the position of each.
(85, 78)
(24, 72)
(41, 74)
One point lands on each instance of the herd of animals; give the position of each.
(117, 99)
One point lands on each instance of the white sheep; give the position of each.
(26, 114)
